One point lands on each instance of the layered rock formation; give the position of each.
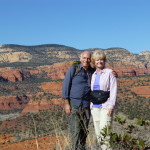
(13, 75)
(52, 53)
(43, 104)
(13, 102)
(55, 72)
(37, 104)
(52, 87)
(15, 57)
(40, 54)
(53, 61)
(19, 63)
(58, 70)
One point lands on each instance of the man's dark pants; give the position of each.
(79, 120)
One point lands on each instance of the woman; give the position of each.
(102, 79)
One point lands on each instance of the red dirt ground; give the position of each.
(43, 143)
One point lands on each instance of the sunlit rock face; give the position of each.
(13, 102)
(15, 57)
(13, 75)
(53, 61)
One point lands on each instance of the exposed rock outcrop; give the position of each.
(15, 57)
(52, 53)
(52, 87)
(13, 102)
(58, 70)
(145, 52)
(43, 104)
(13, 75)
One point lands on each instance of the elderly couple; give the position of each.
(77, 102)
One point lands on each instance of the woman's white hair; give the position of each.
(98, 55)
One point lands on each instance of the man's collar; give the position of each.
(89, 68)
(80, 66)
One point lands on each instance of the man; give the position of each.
(77, 103)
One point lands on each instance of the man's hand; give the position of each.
(114, 73)
(67, 107)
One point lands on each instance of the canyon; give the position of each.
(31, 82)
(53, 72)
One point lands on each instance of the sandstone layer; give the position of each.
(13, 75)
(15, 57)
(13, 102)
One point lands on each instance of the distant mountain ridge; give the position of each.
(47, 54)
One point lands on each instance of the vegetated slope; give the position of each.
(53, 120)
(134, 105)
(18, 55)
(41, 54)
(129, 103)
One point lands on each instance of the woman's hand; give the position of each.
(110, 112)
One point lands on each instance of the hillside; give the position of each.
(31, 79)
(35, 55)
(19, 55)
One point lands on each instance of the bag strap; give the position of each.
(76, 67)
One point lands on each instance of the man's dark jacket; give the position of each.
(77, 86)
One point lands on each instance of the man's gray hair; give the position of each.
(85, 52)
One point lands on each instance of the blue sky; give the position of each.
(80, 24)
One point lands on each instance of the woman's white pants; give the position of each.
(101, 119)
